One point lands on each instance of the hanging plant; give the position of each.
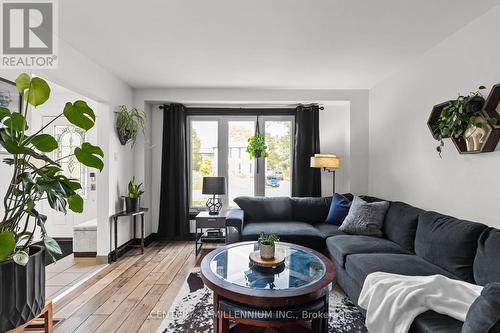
(257, 146)
(458, 116)
(129, 123)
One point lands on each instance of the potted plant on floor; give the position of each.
(133, 200)
(129, 123)
(35, 177)
(267, 245)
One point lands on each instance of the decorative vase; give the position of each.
(132, 204)
(22, 289)
(266, 251)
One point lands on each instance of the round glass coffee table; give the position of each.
(292, 294)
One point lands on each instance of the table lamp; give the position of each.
(214, 186)
(327, 162)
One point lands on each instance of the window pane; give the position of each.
(204, 157)
(240, 166)
(278, 161)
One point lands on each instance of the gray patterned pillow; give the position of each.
(365, 218)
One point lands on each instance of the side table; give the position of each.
(207, 221)
(124, 213)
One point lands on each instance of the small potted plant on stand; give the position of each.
(35, 177)
(267, 245)
(133, 200)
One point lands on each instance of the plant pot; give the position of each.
(266, 251)
(258, 153)
(132, 204)
(22, 290)
(123, 137)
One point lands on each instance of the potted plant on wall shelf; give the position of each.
(458, 116)
(133, 200)
(35, 177)
(257, 146)
(129, 123)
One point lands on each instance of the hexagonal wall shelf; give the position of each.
(434, 117)
(492, 104)
(484, 140)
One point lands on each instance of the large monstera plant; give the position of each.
(36, 176)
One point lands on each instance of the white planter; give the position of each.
(266, 251)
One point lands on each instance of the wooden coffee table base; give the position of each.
(225, 323)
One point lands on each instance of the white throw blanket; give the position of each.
(393, 301)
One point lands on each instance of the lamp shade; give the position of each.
(327, 161)
(214, 185)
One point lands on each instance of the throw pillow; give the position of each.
(365, 218)
(339, 209)
(484, 314)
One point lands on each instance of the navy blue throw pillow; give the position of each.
(484, 314)
(338, 209)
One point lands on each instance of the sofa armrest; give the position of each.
(235, 218)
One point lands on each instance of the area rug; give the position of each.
(192, 310)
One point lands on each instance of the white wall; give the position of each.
(80, 74)
(343, 128)
(404, 164)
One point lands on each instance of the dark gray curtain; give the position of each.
(306, 181)
(174, 204)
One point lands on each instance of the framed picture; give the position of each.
(10, 99)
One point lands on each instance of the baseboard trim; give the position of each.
(85, 254)
(124, 248)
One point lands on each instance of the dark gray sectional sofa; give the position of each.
(415, 242)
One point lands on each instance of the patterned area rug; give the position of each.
(192, 311)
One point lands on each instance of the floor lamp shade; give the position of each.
(327, 162)
(214, 186)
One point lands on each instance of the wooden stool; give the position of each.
(41, 323)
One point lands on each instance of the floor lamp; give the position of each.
(327, 162)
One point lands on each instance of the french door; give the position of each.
(218, 148)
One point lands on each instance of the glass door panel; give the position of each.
(240, 166)
(204, 157)
(279, 160)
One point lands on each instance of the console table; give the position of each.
(124, 213)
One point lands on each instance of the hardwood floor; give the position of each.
(121, 296)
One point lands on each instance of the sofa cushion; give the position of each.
(484, 314)
(269, 209)
(448, 242)
(358, 266)
(365, 218)
(487, 261)
(432, 322)
(295, 232)
(339, 209)
(339, 247)
(311, 210)
(328, 230)
(400, 224)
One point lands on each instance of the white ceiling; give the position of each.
(260, 43)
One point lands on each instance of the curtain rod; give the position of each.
(321, 107)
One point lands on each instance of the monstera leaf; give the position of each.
(80, 114)
(90, 156)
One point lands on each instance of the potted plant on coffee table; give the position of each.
(133, 200)
(35, 177)
(267, 245)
